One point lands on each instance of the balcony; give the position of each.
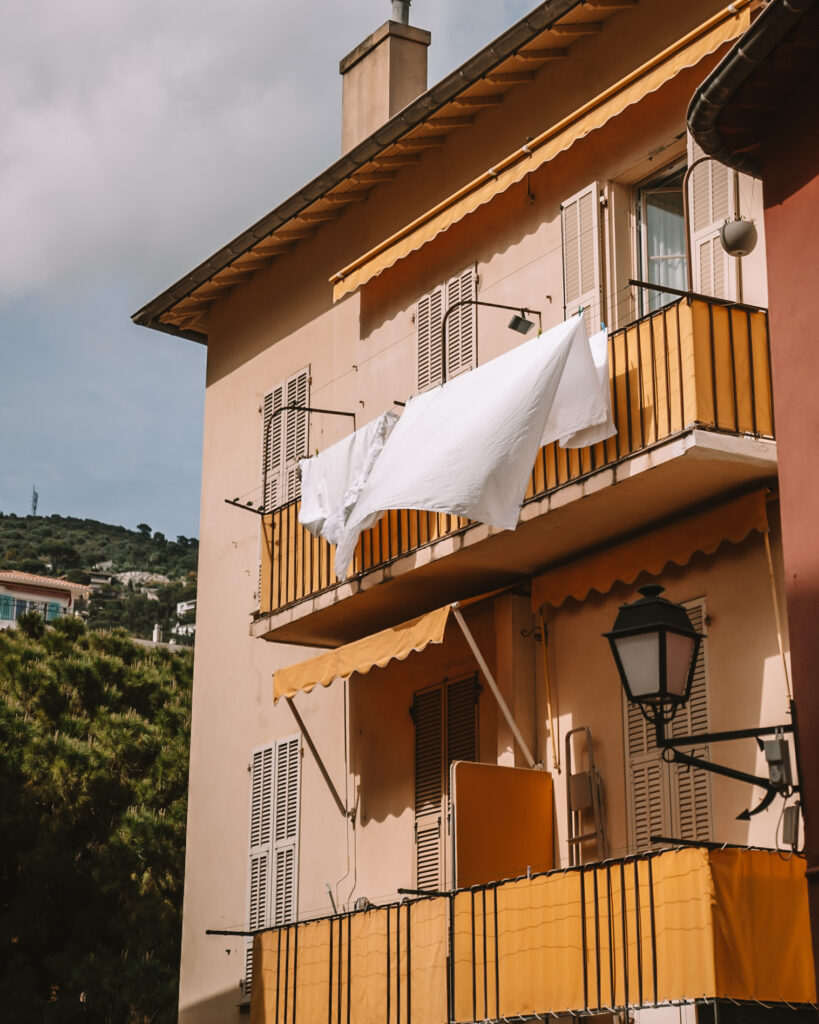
(676, 926)
(691, 397)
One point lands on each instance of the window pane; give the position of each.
(664, 228)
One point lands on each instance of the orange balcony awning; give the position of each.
(651, 552)
(374, 651)
(685, 53)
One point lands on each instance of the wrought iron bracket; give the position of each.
(673, 756)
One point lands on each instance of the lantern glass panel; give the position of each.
(640, 657)
(679, 651)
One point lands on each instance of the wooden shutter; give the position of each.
(285, 439)
(272, 448)
(461, 326)
(428, 319)
(669, 799)
(429, 787)
(691, 787)
(711, 198)
(261, 833)
(582, 276)
(275, 786)
(446, 730)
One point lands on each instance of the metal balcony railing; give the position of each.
(693, 363)
(676, 926)
(11, 608)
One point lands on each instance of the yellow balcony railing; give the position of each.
(692, 363)
(677, 926)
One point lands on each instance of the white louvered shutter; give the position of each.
(428, 320)
(275, 786)
(669, 799)
(691, 787)
(429, 787)
(272, 448)
(261, 835)
(582, 273)
(286, 830)
(461, 326)
(711, 198)
(296, 426)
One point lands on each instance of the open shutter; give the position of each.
(461, 326)
(295, 432)
(261, 834)
(429, 787)
(272, 448)
(712, 203)
(428, 321)
(582, 275)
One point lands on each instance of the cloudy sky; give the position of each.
(137, 138)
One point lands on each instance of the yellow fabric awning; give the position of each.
(374, 651)
(685, 53)
(676, 543)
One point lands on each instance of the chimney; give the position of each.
(382, 75)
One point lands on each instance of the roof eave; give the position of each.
(738, 65)
(413, 114)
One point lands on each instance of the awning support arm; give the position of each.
(321, 767)
(493, 686)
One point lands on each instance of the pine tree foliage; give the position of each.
(94, 735)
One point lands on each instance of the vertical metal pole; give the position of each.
(689, 262)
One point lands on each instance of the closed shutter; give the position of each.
(446, 730)
(461, 325)
(429, 787)
(274, 820)
(428, 319)
(582, 273)
(285, 439)
(712, 203)
(670, 799)
(691, 787)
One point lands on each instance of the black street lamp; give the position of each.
(655, 649)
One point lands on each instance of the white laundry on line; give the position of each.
(468, 447)
(332, 480)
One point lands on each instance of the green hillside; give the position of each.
(62, 546)
(55, 544)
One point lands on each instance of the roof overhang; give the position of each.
(773, 65)
(543, 36)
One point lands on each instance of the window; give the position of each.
(661, 236)
(6, 606)
(582, 274)
(446, 730)
(284, 439)
(461, 331)
(275, 785)
(670, 799)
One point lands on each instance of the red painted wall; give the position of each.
(790, 162)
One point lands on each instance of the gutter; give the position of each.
(412, 115)
(733, 71)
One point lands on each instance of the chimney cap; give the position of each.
(400, 11)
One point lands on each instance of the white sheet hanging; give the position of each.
(468, 447)
(332, 480)
(599, 344)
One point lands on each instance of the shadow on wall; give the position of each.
(219, 1009)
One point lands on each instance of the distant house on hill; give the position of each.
(99, 579)
(25, 592)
